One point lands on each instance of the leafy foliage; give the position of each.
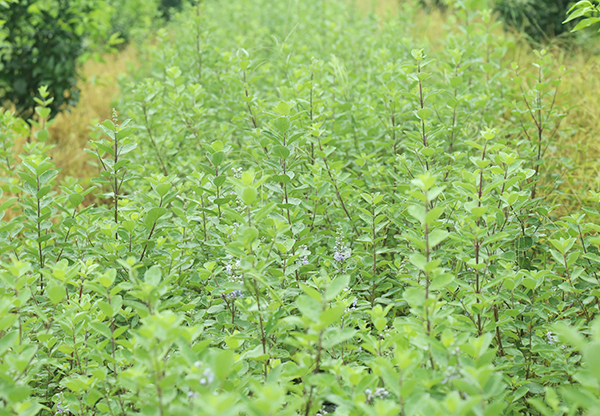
(539, 19)
(587, 11)
(303, 224)
(43, 43)
(168, 7)
(42, 47)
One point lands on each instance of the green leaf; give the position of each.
(153, 215)
(101, 328)
(75, 199)
(162, 189)
(281, 152)
(337, 336)
(224, 360)
(418, 260)
(336, 287)
(282, 124)
(106, 308)
(308, 307)
(217, 158)
(414, 296)
(523, 243)
(283, 108)
(56, 292)
(331, 316)
(569, 335)
(126, 148)
(437, 236)
(591, 354)
(312, 292)
(18, 393)
(433, 214)
(418, 213)
(248, 195)
(585, 23)
(441, 281)
(424, 113)
(7, 341)
(153, 276)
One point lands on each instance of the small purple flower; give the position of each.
(342, 254)
(381, 393)
(450, 377)
(339, 256)
(341, 251)
(237, 173)
(303, 253)
(551, 338)
(60, 409)
(207, 377)
(235, 294)
(231, 268)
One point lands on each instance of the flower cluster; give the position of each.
(235, 294)
(304, 252)
(60, 409)
(231, 269)
(234, 228)
(341, 252)
(380, 393)
(237, 172)
(207, 375)
(385, 333)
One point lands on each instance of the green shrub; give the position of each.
(432, 4)
(587, 11)
(167, 7)
(41, 47)
(539, 19)
(306, 213)
(43, 43)
(133, 19)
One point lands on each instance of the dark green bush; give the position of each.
(538, 19)
(41, 48)
(432, 4)
(133, 19)
(166, 7)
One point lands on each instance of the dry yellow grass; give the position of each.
(582, 87)
(70, 131)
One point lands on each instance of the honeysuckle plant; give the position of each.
(343, 223)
